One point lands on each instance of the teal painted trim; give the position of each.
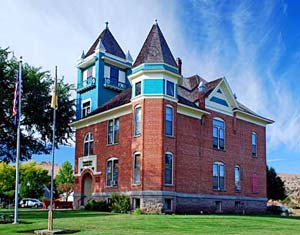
(153, 86)
(154, 67)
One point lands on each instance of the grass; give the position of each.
(108, 223)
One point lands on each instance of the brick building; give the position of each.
(172, 143)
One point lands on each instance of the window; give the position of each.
(218, 134)
(169, 168)
(237, 178)
(168, 204)
(137, 168)
(170, 88)
(88, 73)
(218, 206)
(254, 184)
(218, 176)
(169, 121)
(114, 73)
(136, 203)
(254, 144)
(113, 131)
(137, 89)
(237, 205)
(86, 108)
(138, 121)
(88, 144)
(112, 172)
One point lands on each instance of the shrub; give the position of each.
(120, 203)
(98, 206)
(138, 211)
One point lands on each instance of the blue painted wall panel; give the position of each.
(153, 86)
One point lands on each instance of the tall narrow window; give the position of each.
(113, 131)
(169, 168)
(88, 144)
(218, 134)
(137, 89)
(86, 108)
(218, 176)
(237, 178)
(137, 168)
(170, 88)
(112, 172)
(138, 121)
(114, 76)
(254, 144)
(169, 121)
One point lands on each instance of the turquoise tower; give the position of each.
(101, 73)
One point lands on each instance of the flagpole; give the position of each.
(18, 145)
(50, 213)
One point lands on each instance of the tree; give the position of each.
(275, 186)
(37, 115)
(33, 180)
(65, 179)
(7, 182)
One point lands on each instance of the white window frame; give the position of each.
(113, 159)
(133, 168)
(113, 131)
(254, 134)
(169, 106)
(84, 73)
(218, 171)
(83, 102)
(237, 189)
(88, 142)
(166, 88)
(172, 179)
(219, 128)
(141, 122)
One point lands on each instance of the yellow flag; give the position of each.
(54, 100)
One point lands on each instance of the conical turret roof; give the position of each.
(155, 49)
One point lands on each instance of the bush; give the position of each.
(120, 203)
(98, 206)
(138, 211)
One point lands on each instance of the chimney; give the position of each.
(179, 65)
(201, 96)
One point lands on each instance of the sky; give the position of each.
(254, 44)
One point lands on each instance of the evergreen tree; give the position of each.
(275, 186)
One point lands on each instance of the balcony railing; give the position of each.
(87, 84)
(114, 84)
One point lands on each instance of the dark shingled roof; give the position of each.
(120, 99)
(155, 49)
(110, 44)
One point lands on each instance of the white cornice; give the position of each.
(87, 61)
(103, 116)
(252, 118)
(190, 111)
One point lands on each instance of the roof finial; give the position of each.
(106, 24)
(155, 21)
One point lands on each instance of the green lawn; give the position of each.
(107, 223)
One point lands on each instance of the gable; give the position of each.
(221, 99)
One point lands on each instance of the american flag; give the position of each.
(17, 95)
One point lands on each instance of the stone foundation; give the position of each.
(158, 202)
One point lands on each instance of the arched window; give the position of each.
(218, 176)
(137, 168)
(88, 144)
(254, 146)
(137, 120)
(169, 120)
(112, 172)
(237, 178)
(168, 168)
(218, 133)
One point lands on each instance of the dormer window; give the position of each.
(170, 88)
(88, 73)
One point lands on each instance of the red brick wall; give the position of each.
(195, 156)
(191, 146)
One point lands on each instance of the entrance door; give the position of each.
(87, 188)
